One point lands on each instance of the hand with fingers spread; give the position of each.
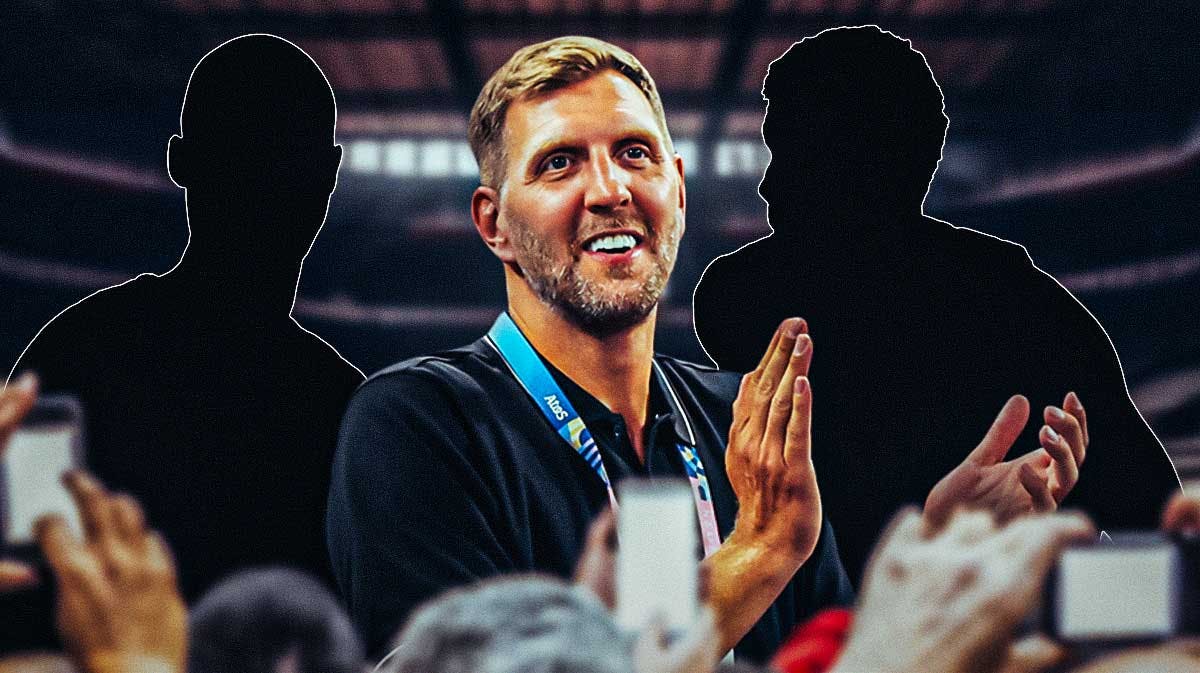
(951, 603)
(15, 402)
(769, 463)
(119, 607)
(1036, 482)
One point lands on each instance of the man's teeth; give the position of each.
(614, 243)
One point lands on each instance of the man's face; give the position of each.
(592, 201)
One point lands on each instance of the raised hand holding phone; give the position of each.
(16, 400)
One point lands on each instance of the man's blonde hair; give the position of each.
(539, 69)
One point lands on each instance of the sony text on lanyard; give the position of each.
(537, 381)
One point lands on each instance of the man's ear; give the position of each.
(178, 165)
(485, 212)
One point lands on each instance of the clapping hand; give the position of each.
(1035, 482)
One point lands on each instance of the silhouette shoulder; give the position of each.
(95, 320)
(984, 251)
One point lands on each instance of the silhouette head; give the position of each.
(257, 142)
(854, 120)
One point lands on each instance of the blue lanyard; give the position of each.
(537, 381)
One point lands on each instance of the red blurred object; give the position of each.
(816, 644)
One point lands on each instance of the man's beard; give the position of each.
(598, 312)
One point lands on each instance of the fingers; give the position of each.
(1072, 405)
(1033, 654)
(797, 445)
(766, 357)
(767, 382)
(15, 576)
(1068, 427)
(94, 505)
(128, 519)
(15, 402)
(787, 331)
(1036, 485)
(1182, 515)
(1066, 471)
(71, 563)
(758, 388)
(774, 386)
(783, 400)
(160, 563)
(1004, 431)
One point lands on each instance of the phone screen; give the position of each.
(1108, 592)
(657, 564)
(48, 443)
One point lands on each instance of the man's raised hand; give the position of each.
(769, 457)
(1035, 482)
(769, 463)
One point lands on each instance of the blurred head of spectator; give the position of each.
(522, 624)
(272, 620)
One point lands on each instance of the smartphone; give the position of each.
(658, 560)
(48, 443)
(1127, 588)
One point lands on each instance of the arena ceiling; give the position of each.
(1045, 79)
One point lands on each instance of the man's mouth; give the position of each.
(613, 242)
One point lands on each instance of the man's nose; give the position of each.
(607, 186)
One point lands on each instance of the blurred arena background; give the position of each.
(1074, 131)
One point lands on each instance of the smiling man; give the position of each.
(495, 457)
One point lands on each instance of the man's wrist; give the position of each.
(772, 557)
(777, 548)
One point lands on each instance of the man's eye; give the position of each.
(557, 162)
(637, 153)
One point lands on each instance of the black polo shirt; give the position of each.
(446, 472)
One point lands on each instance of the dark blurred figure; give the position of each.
(926, 329)
(204, 398)
(272, 620)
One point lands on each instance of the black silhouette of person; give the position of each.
(922, 330)
(203, 397)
